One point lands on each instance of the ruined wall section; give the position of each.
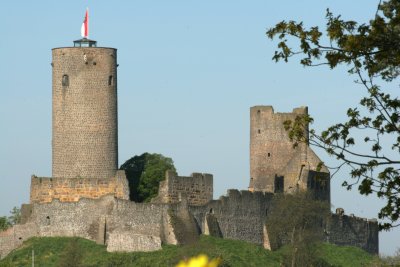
(240, 215)
(350, 230)
(14, 237)
(121, 225)
(85, 128)
(197, 188)
(45, 189)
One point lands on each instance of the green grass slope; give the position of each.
(63, 251)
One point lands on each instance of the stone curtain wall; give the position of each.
(85, 129)
(122, 225)
(240, 215)
(45, 190)
(197, 188)
(350, 230)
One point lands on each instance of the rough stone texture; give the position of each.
(197, 188)
(183, 223)
(211, 226)
(120, 224)
(85, 135)
(240, 215)
(44, 190)
(346, 230)
(15, 236)
(275, 166)
(124, 241)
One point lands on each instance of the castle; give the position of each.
(87, 196)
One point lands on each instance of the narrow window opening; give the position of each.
(259, 131)
(65, 80)
(110, 80)
(279, 184)
(211, 211)
(266, 212)
(269, 155)
(258, 112)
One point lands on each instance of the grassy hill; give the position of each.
(58, 251)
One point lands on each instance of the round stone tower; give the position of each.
(85, 128)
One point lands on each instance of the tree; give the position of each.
(13, 219)
(372, 53)
(302, 230)
(4, 223)
(144, 174)
(15, 216)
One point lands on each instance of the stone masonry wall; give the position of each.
(122, 225)
(197, 188)
(240, 215)
(85, 128)
(270, 147)
(350, 230)
(45, 190)
(272, 154)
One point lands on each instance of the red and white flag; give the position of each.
(85, 25)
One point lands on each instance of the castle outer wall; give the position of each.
(197, 189)
(85, 128)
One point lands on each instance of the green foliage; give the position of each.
(371, 52)
(13, 219)
(15, 216)
(4, 223)
(51, 251)
(144, 174)
(303, 217)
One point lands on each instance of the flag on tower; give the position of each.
(85, 25)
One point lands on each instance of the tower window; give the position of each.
(65, 80)
(110, 80)
(259, 131)
(279, 184)
(269, 155)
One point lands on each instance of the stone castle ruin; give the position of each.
(87, 196)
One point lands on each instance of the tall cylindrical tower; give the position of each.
(85, 128)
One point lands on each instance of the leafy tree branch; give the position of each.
(371, 51)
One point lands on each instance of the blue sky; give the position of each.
(189, 71)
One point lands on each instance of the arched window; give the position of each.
(110, 80)
(65, 80)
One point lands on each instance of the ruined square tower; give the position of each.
(275, 165)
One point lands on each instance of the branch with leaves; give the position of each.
(372, 53)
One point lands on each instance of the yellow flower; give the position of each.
(199, 261)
